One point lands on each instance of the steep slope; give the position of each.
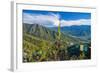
(46, 33)
(39, 31)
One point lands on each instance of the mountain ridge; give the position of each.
(46, 33)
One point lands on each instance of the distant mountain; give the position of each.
(81, 31)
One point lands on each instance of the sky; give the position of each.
(53, 19)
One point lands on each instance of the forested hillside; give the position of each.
(42, 44)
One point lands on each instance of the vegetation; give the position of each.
(42, 44)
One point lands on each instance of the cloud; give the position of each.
(75, 22)
(46, 20)
(52, 19)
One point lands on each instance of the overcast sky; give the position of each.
(52, 19)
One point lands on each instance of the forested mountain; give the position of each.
(46, 33)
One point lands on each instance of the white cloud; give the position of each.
(75, 22)
(52, 19)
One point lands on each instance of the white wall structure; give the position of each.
(80, 3)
